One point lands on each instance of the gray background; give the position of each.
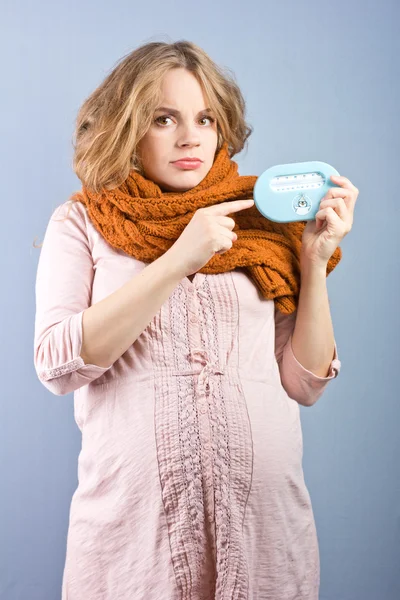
(321, 81)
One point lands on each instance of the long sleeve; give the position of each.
(63, 291)
(300, 384)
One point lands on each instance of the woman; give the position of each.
(188, 345)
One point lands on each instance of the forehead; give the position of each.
(180, 87)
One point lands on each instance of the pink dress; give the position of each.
(190, 473)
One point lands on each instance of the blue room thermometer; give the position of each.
(293, 192)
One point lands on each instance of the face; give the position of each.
(182, 128)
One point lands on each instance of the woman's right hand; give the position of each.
(208, 232)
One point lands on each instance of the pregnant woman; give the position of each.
(190, 329)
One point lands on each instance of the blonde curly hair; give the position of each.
(119, 112)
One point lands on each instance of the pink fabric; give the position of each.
(190, 473)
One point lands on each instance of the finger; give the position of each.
(226, 222)
(344, 182)
(346, 185)
(348, 196)
(327, 215)
(320, 219)
(338, 205)
(336, 192)
(231, 206)
(226, 243)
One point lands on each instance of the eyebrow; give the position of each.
(175, 112)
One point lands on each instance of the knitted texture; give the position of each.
(143, 221)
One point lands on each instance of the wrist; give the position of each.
(172, 264)
(312, 268)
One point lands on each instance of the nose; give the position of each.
(188, 135)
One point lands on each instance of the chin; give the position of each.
(183, 182)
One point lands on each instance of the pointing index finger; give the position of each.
(232, 206)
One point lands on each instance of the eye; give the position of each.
(162, 117)
(207, 117)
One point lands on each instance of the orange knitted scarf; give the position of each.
(144, 222)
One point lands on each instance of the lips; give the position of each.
(188, 163)
(188, 159)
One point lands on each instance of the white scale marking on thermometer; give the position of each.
(306, 181)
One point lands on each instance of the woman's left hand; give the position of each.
(333, 221)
